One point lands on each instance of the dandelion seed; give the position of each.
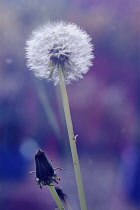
(59, 44)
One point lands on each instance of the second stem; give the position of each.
(56, 197)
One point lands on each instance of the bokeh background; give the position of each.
(104, 107)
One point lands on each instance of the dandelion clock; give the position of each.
(59, 44)
(61, 52)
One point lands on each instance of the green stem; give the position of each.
(47, 108)
(56, 197)
(72, 140)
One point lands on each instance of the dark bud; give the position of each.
(44, 171)
(61, 195)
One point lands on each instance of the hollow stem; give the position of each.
(72, 140)
(56, 197)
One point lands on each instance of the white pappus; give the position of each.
(59, 44)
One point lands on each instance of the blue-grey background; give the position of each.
(104, 107)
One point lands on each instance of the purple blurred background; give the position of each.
(104, 107)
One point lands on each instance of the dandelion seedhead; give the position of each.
(59, 45)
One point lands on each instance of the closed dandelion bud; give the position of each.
(59, 45)
(44, 171)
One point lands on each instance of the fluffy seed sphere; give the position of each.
(59, 45)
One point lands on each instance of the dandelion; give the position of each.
(61, 52)
(59, 44)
